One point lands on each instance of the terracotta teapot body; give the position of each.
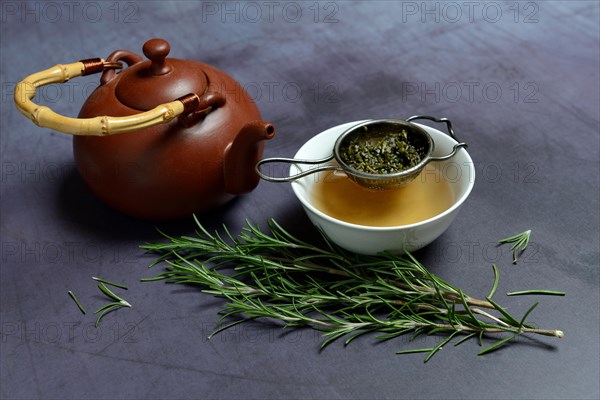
(188, 165)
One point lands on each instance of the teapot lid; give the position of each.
(148, 84)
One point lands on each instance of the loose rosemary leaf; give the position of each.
(520, 242)
(116, 304)
(109, 283)
(79, 305)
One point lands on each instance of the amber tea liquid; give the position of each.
(426, 196)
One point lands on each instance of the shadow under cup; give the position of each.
(458, 171)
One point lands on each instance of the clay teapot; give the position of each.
(163, 138)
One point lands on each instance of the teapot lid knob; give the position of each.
(157, 51)
(159, 80)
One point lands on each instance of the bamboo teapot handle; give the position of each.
(98, 126)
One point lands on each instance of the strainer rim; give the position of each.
(395, 175)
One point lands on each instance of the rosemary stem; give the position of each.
(545, 332)
(480, 303)
(449, 296)
(463, 328)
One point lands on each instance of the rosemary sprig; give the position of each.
(116, 304)
(277, 276)
(520, 242)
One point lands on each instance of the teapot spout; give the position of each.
(242, 155)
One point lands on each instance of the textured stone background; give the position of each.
(518, 79)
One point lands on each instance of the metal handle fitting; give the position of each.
(448, 123)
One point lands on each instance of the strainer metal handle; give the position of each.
(448, 123)
(291, 178)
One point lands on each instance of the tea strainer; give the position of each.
(372, 129)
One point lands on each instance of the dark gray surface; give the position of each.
(528, 106)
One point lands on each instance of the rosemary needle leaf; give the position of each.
(495, 284)
(118, 302)
(468, 309)
(104, 307)
(439, 346)
(409, 351)
(154, 278)
(333, 336)
(522, 322)
(392, 335)
(509, 318)
(113, 296)
(112, 307)
(109, 283)
(125, 303)
(109, 308)
(540, 292)
(108, 292)
(496, 345)
(359, 333)
(464, 339)
(227, 326)
(480, 338)
(72, 295)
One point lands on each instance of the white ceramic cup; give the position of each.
(459, 171)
